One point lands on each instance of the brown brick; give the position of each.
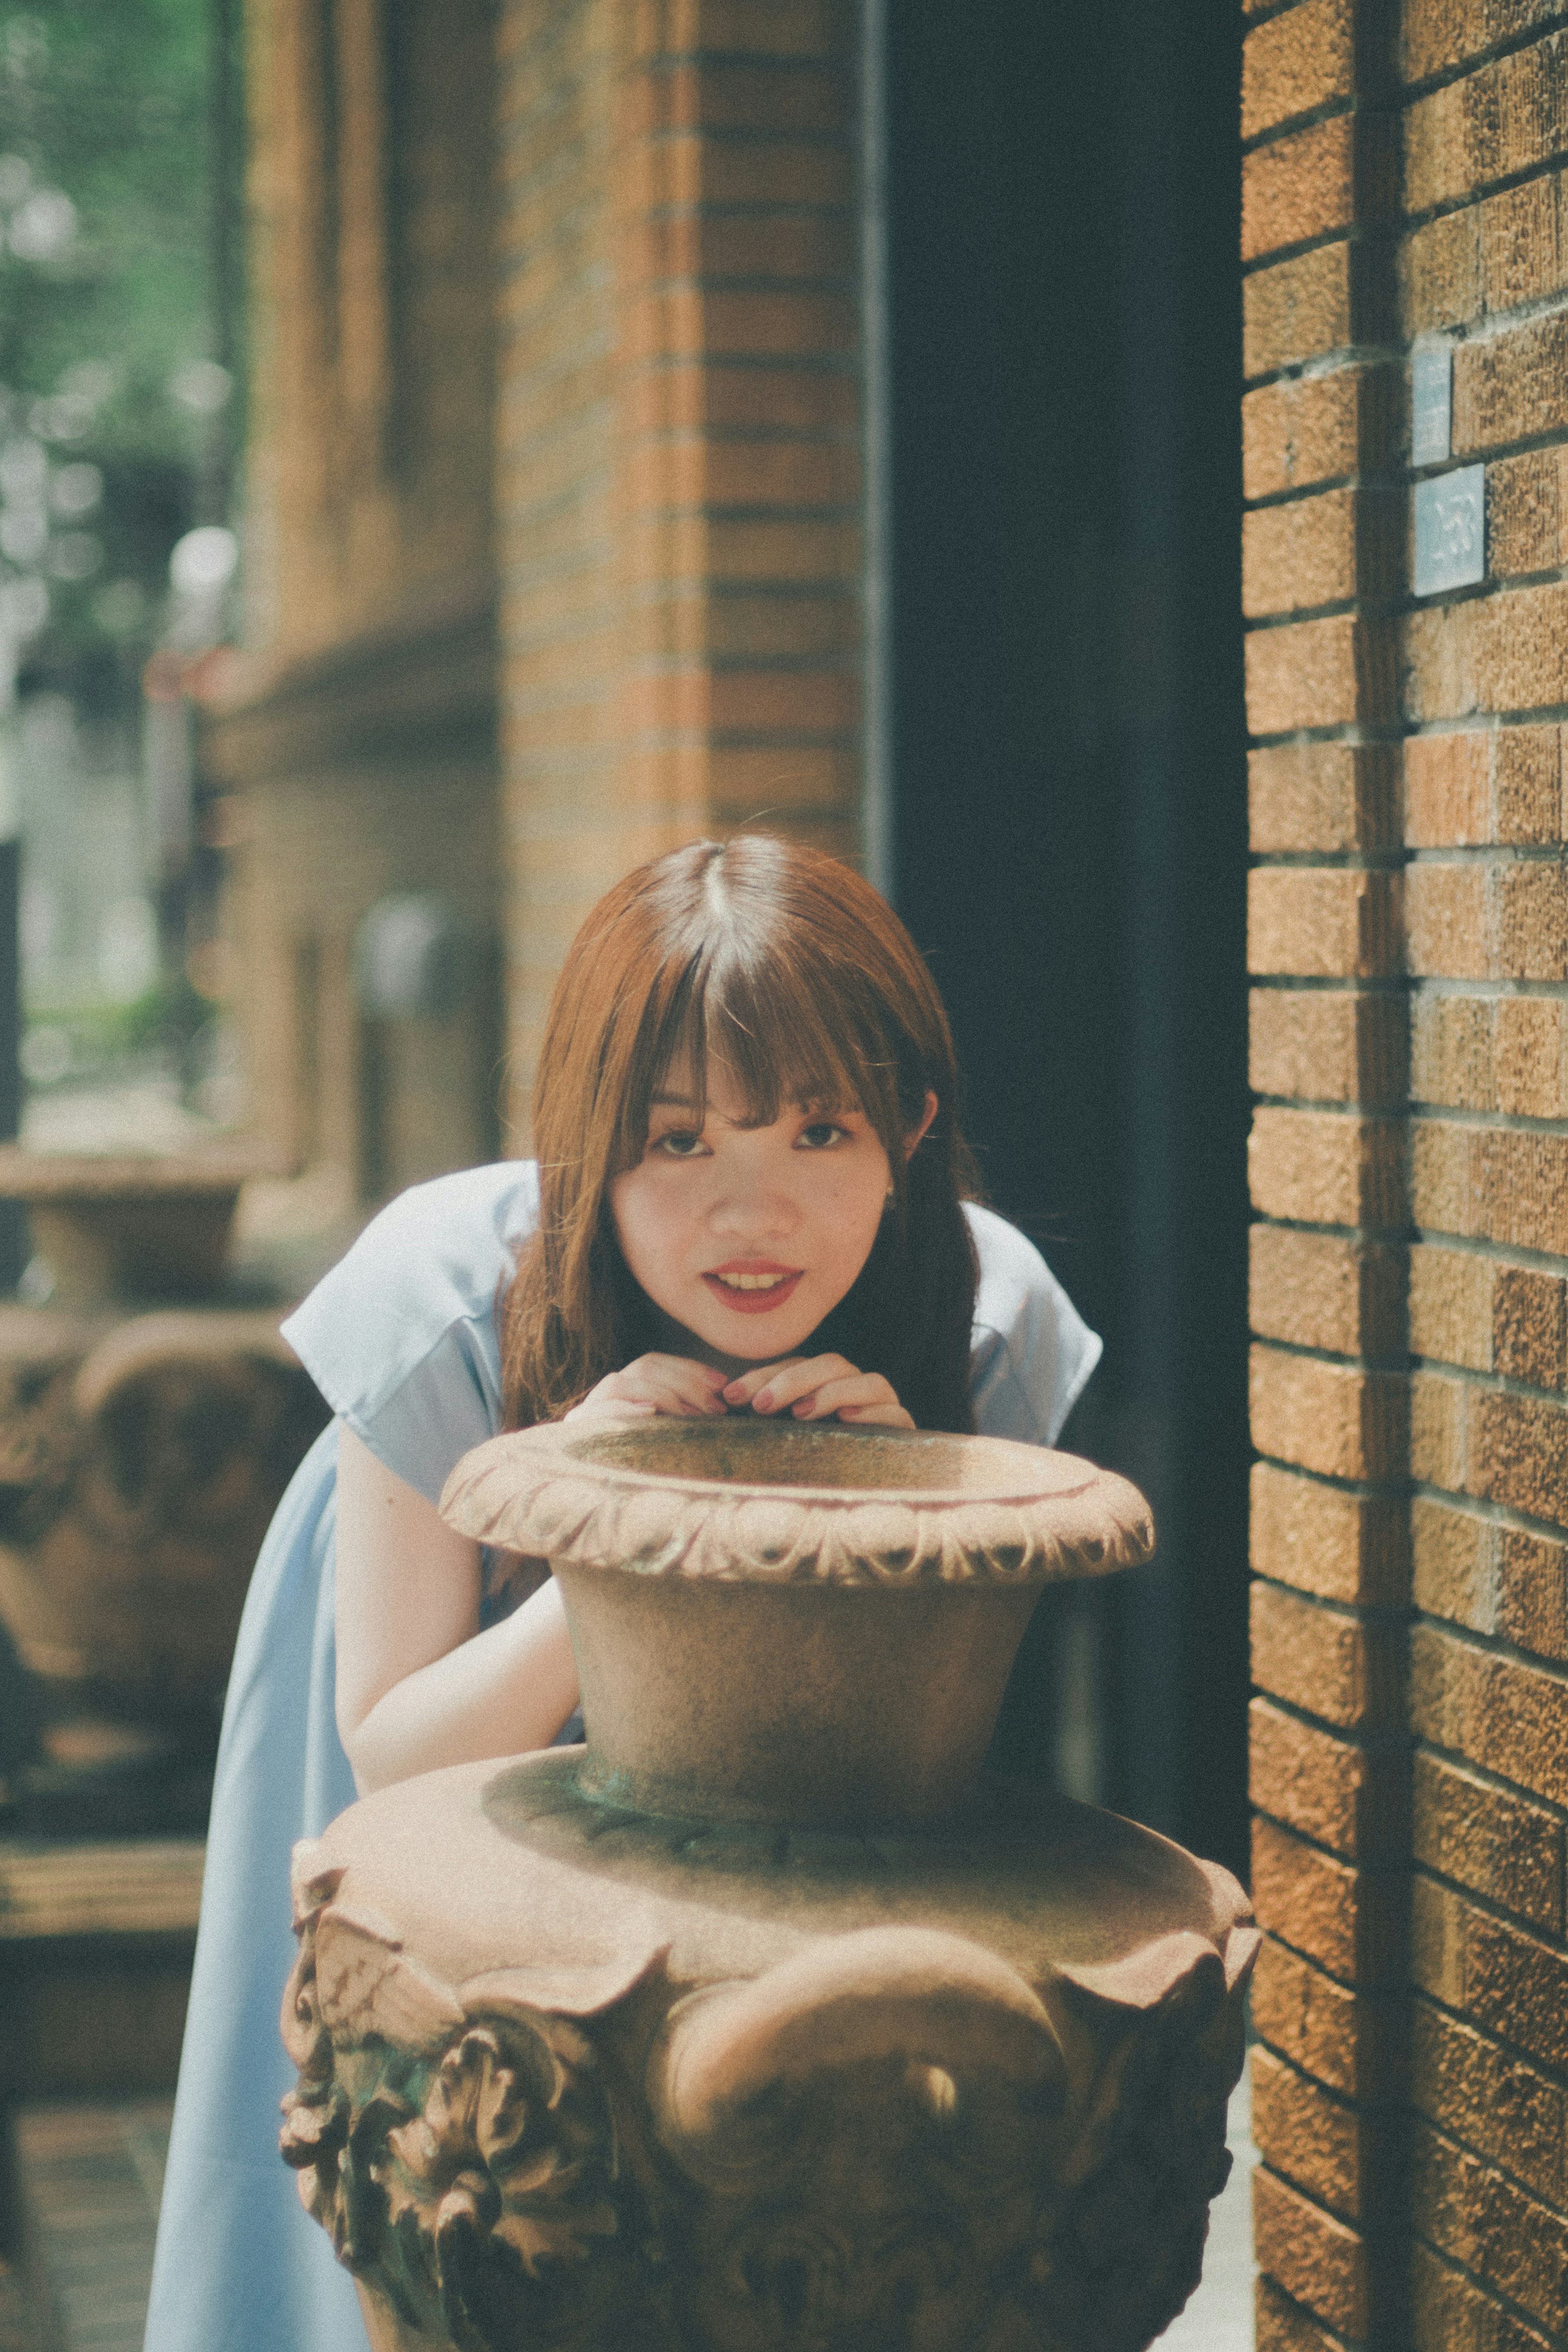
(1302, 554)
(1318, 2260)
(1439, 1430)
(1502, 784)
(1495, 1844)
(1493, 922)
(1446, 921)
(1310, 430)
(1532, 1609)
(1517, 1454)
(1435, 35)
(1306, 2137)
(1451, 1307)
(1324, 796)
(1298, 188)
(1493, 1580)
(1481, 2219)
(1353, 1799)
(1326, 1167)
(1324, 673)
(1296, 311)
(1451, 2314)
(1498, 1183)
(1528, 784)
(1505, 1981)
(1439, 270)
(1282, 2325)
(1347, 2039)
(1347, 1921)
(1455, 1565)
(1449, 790)
(1476, 2093)
(1524, 252)
(1296, 64)
(1350, 1548)
(1453, 1057)
(1532, 920)
(1321, 1290)
(1531, 1057)
(1530, 1327)
(1526, 513)
(1332, 1418)
(1323, 922)
(1505, 652)
(1504, 118)
(1327, 1663)
(1329, 1045)
(1511, 383)
(1510, 1718)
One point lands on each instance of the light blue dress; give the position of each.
(402, 1339)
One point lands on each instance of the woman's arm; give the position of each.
(418, 1685)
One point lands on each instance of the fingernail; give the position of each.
(763, 1404)
(735, 1391)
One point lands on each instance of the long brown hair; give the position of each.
(790, 970)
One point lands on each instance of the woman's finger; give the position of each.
(786, 1383)
(860, 1392)
(673, 1383)
(744, 1390)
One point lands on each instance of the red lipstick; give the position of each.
(755, 1287)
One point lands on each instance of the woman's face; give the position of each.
(747, 1237)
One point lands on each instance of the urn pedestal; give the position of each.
(766, 2023)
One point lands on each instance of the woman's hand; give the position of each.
(818, 1388)
(671, 1384)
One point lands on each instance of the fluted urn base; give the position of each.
(575, 2075)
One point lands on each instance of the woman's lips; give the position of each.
(753, 1289)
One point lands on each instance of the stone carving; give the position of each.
(576, 2073)
(883, 1506)
(140, 1461)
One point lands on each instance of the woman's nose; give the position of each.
(752, 1201)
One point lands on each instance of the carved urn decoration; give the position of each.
(766, 2022)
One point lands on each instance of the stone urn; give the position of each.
(766, 2022)
(148, 1425)
(118, 1225)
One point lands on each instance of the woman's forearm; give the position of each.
(499, 1694)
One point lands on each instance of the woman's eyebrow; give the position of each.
(672, 1102)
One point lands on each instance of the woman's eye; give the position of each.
(820, 1135)
(678, 1143)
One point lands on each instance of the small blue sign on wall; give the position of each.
(1450, 531)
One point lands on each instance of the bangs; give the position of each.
(783, 1031)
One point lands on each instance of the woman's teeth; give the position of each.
(751, 1281)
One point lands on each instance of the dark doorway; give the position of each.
(1069, 782)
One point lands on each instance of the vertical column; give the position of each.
(1330, 1750)
(1484, 314)
(679, 487)
(740, 385)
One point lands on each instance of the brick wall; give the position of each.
(678, 489)
(1404, 184)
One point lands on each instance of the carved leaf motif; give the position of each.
(530, 1491)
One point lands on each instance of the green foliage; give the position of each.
(107, 103)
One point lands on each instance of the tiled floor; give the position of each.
(93, 2175)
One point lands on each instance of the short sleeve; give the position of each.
(401, 1336)
(1031, 1352)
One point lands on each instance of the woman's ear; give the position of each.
(910, 1141)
